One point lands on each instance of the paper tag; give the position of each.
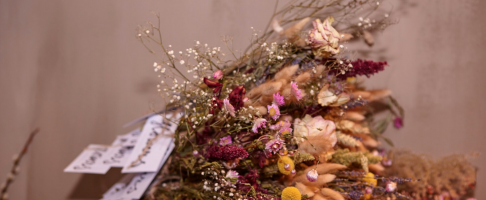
(118, 188)
(135, 188)
(90, 160)
(117, 156)
(129, 139)
(121, 149)
(152, 143)
(140, 119)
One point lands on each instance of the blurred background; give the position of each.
(75, 70)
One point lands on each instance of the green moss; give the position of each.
(345, 157)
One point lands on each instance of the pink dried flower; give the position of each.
(391, 186)
(278, 99)
(312, 175)
(225, 140)
(445, 195)
(293, 171)
(285, 131)
(218, 74)
(398, 122)
(296, 91)
(273, 111)
(274, 145)
(258, 123)
(287, 166)
(195, 153)
(232, 174)
(229, 108)
(280, 125)
(386, 162)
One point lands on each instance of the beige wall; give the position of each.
(74, 69)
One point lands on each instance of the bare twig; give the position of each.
(15, 168)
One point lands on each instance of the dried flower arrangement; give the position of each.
(290, 119)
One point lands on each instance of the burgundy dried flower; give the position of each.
(236, 97)
(363, 68)
(261, 157)
(205, 135)
(227, 153)
(213, 84)
(249, 181)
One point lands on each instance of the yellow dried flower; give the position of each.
(285, 165)
(370, 178)
(291, 193)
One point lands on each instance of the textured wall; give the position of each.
(74, 69)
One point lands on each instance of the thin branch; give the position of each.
(15, 167)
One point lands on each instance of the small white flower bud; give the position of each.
(312, 175)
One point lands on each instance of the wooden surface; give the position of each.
(74, 69)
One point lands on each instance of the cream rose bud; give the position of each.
(317, 126)
(323, 38)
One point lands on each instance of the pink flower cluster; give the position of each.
(296, 91)
(278, 99)
(273, 111)
(274, 145)
(258, 123)
(225, 140)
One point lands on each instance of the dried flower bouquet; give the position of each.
(290, 119)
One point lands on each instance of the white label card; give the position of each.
(121, 148)
(136, 186)
(118, 188)
(117, 156)
(90, 160)
(129, 139)
(152, 144)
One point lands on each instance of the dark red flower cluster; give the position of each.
(227, 153)
(249, 181)
(236, 97)
(364, 68)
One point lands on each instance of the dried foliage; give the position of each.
(453, 174)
